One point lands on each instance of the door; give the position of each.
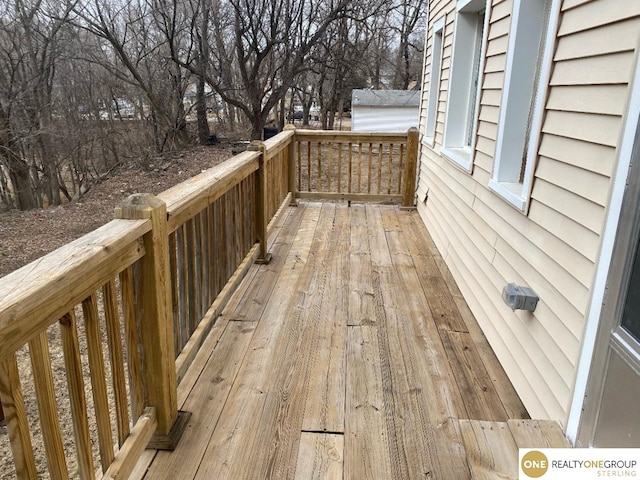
(611, 416)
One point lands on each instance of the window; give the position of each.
(529, 58)
(464, 85)
(434, 81)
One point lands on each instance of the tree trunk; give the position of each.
(257, 127)
(19, 175)
(17, 167)
(201, 112)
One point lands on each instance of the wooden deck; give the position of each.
(351, 355)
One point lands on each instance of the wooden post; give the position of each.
(156, 323)
(408, 193)
(293, 146)
(262, 222)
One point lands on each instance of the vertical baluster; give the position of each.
(197, 270)
(370, 163)
(217, 226)
(329, 160)
(319, 179)
(292, 151)
(390, 146)
(16, 418)
(379, 190)
(339, 167)
(175, 297)
(299, 153)
(359, 167)
(75, 382)
(308, 166)
(400, 167)
(350, 165)
(112, 318)
(47, 408)
(132, 340)
(183, 282)
(98, 380)
(191, 278)
(206, 289)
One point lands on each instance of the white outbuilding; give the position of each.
(384, 110)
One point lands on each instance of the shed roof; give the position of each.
(385, 98)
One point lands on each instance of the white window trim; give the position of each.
(516, 194)
(431, 113)
(464, 156)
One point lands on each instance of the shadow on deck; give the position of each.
(351, 355)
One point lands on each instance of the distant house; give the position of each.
(384, 110)
(529, 173)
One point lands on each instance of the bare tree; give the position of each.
(259, 47)
(409, 15)
(143, 35)
(30, 47)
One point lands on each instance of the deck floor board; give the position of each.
(354, 358)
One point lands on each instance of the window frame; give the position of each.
(433, 96)
(515, 193)
(459, 108)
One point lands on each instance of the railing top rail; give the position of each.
(36, 295)
(274, 144)
(188, 198)
(346, 136)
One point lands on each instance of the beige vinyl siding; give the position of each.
(555, 246)
(588, 99)
(588, 156)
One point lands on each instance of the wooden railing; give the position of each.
(357, 166)
(146, 289)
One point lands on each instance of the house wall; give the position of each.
(554, 246)
(383, 119)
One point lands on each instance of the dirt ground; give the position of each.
(26, 236)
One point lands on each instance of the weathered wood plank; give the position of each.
(537, 434)
(287, 388)
(326, 389)
(491, 450)
(320, 456)
(275, 445)
(206, 401)
(510, 399)
(421, 436)
(250, 308)
(366, 442)
(361, 296)
(481, 399)
(230, 453)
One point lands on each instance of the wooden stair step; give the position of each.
(492, 447)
